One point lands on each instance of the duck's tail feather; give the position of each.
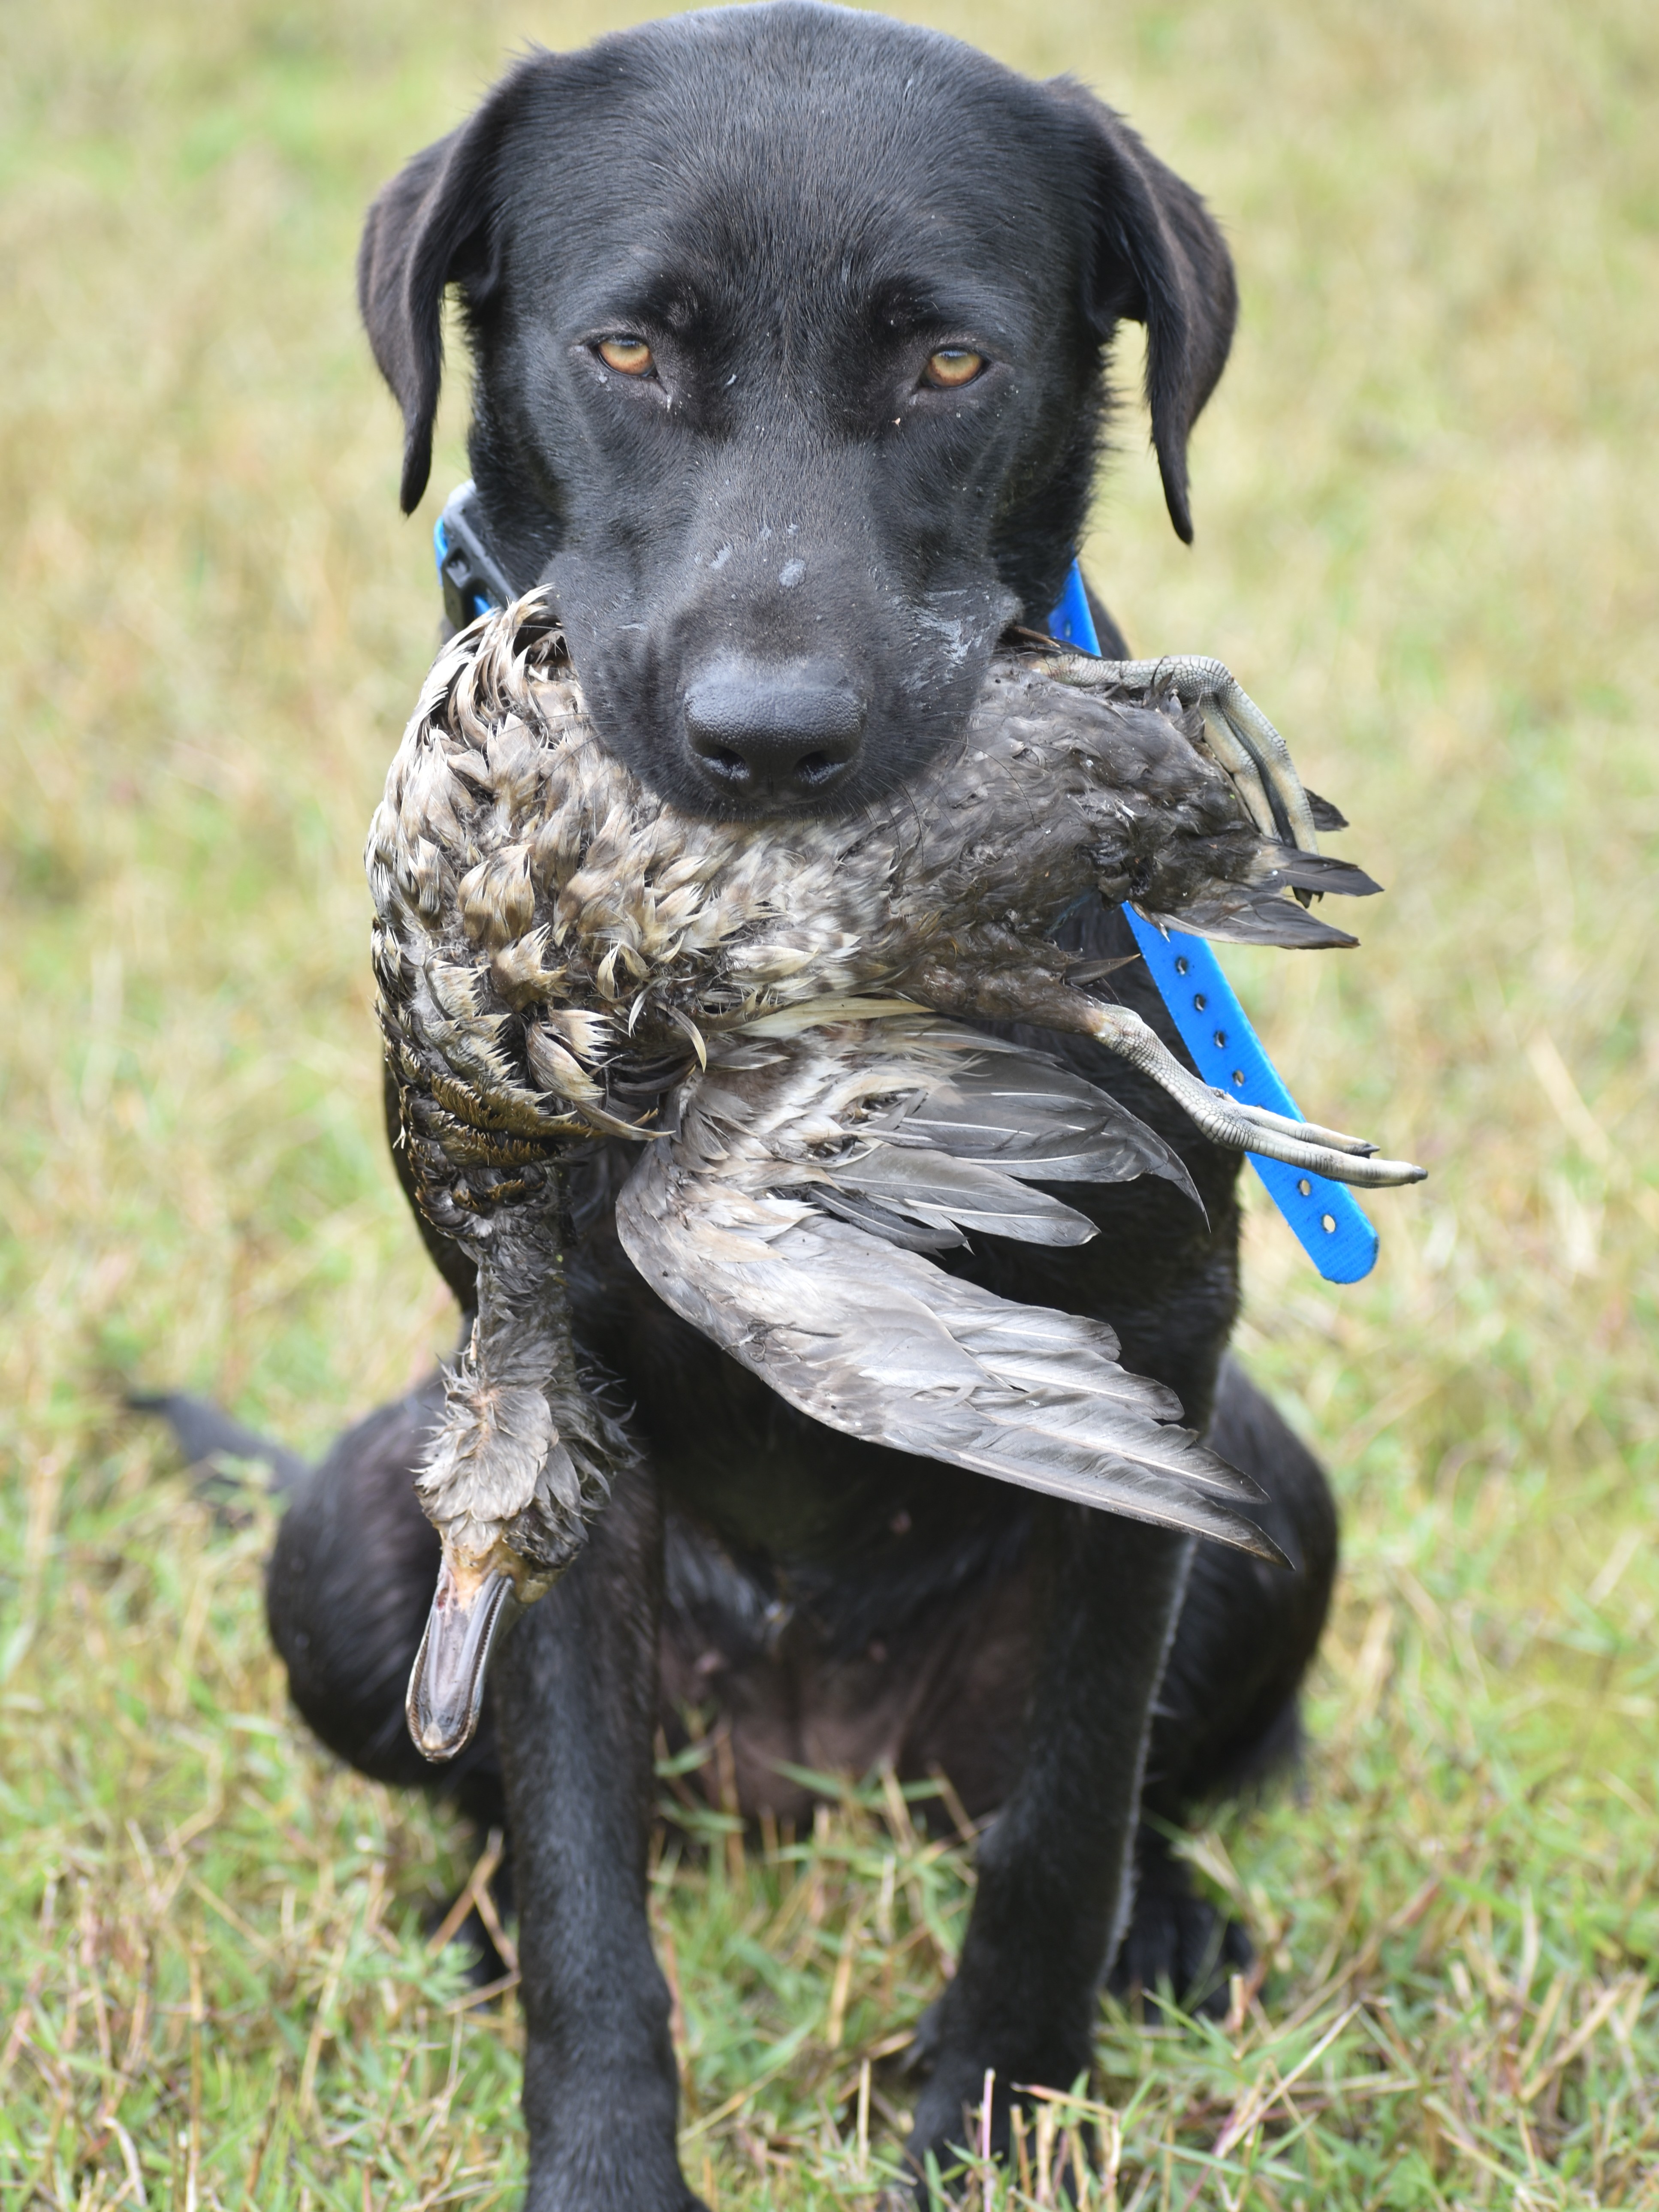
(1320, 871)
(1255, 913)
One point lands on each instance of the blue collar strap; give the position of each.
(1225, 1050)
(471, 582)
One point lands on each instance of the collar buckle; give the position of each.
(472, 583)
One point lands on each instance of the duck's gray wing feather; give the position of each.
(882, 1221)
(1029, 1116)
(874, 1342)
(942, 1191)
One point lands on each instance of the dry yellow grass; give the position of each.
(1429, 542)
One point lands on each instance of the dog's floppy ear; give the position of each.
(1158, 258)
(432, 226)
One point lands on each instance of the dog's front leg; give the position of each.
(577, 1685)
(1056, 1866)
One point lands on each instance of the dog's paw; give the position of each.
(592, 2191)
(949, 2110)
(1179, 1942)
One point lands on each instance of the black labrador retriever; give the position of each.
(787, 326)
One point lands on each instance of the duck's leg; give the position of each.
(1229, 1122)
(1025, 992)
(1240, 735)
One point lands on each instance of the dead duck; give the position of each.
(556, 948)
(547, 928)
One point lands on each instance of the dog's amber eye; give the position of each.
(952, 366)
(632, 356)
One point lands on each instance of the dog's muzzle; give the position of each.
(770, 736)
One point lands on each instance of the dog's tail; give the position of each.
(217, 1449)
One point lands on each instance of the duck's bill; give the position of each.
(470, 1608)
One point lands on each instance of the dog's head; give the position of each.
(787, 326)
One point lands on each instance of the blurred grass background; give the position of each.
(1428, 512)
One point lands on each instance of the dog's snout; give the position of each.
(770, 734)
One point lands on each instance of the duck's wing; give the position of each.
(1023, 1113)
(918, 1128)
(874, 1341)
(783, 1219)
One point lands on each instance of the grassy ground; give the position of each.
(1428, 542)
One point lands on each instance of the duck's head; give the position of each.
(521, 1456)
(479, 1597)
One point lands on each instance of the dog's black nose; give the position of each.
(774, 734)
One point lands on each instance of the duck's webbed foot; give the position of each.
(1229, 1122)
(1240, 735)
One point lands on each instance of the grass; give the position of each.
(1429, 542)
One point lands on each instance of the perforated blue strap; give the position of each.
(1226, 1049)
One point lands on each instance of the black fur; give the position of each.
(793, 205)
